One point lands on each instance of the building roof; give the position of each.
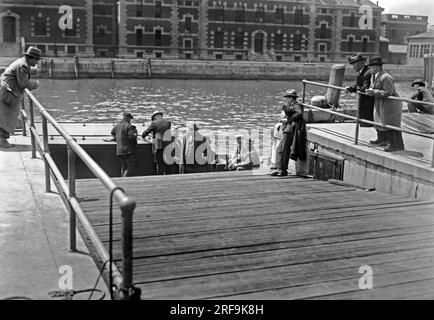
(384, 39)
(348, 3)
(398, 48)
(425, 35)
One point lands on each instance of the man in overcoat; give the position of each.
(13, 81)
(386, 111)
(363, 82)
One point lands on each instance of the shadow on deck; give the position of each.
(243, 236)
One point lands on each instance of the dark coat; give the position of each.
(366, 103)
(294, 113)
(161, 133)
(13, 81)
(123, 132)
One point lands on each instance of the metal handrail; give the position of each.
(359, 120)
(123, 282)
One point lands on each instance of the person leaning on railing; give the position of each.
(386, 111)
(13, 81)
(422, 93)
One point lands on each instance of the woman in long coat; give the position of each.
(13, 81)
(386, 111)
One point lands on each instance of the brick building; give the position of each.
(419, 46)
(397, 27)
(33, 22)
(309, 30)
(105, 28)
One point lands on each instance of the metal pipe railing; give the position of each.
(123, 282)
(358, 120)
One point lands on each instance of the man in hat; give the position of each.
(294, 117)
(421, 93)
(125, 135)
(162, 136)
(386, 111)
(13, 81)
(363, 81)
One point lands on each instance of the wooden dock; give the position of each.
(242, 236)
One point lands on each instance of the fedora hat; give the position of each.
(33, 52)
(155, 113)
(354, 59)
(291, 93)
(376, 61)
(419, 82)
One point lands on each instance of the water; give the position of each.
(218, 104)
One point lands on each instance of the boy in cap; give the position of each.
(422, 94)
(13, 81)
(125, 135)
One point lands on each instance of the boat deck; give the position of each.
(245, 236)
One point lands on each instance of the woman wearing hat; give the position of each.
(13, 81)
(386, 111)
(422, 94)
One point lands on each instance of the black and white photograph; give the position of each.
(236, 152)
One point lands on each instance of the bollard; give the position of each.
(23, 119)
(149, 69)
(76, 62)
(337, 74)
(112, 69)
(32, 124)
(46, 150)
(50, 69)
(72, 215)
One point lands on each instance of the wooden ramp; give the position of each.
(238, 235)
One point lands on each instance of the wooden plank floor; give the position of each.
(237, 235)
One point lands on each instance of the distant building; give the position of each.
(397, 27)
(105, 28)
(419, 46)
(24, 23)
(310, 30)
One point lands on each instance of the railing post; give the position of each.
(356, 135)
(32, 124)
(304, 91)
(46, 150)
(72, 215)
(23, 120)
(127, 209)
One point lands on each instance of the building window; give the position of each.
(322, 47)
(101, 32)
(298, 18)
(297, 42)
(350, 44)
(9, 29)
(188, 43)
(239, 14)
(278, 41)
(41, 47)
(260, 14)
(297, 58)
(365, 45)
(187, 26)
(239, 57)
(239, 40)
(188, 56)
(139, 37)
(424, 50)
(139, 54)
(72, 49)
(188, 3)
(139, 9)
(158, 9)
(218, 39)
(352, 20)
(158, 55)
(394, 16)
(158, 38)
(279, 15)
(40, 26)
(324, 11)
(323, 31)
(278, 58)
(220, 13)
(219, 56)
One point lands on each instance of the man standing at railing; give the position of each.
(386, 111)
(13, 81)
(125, 135)
(363, 82)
